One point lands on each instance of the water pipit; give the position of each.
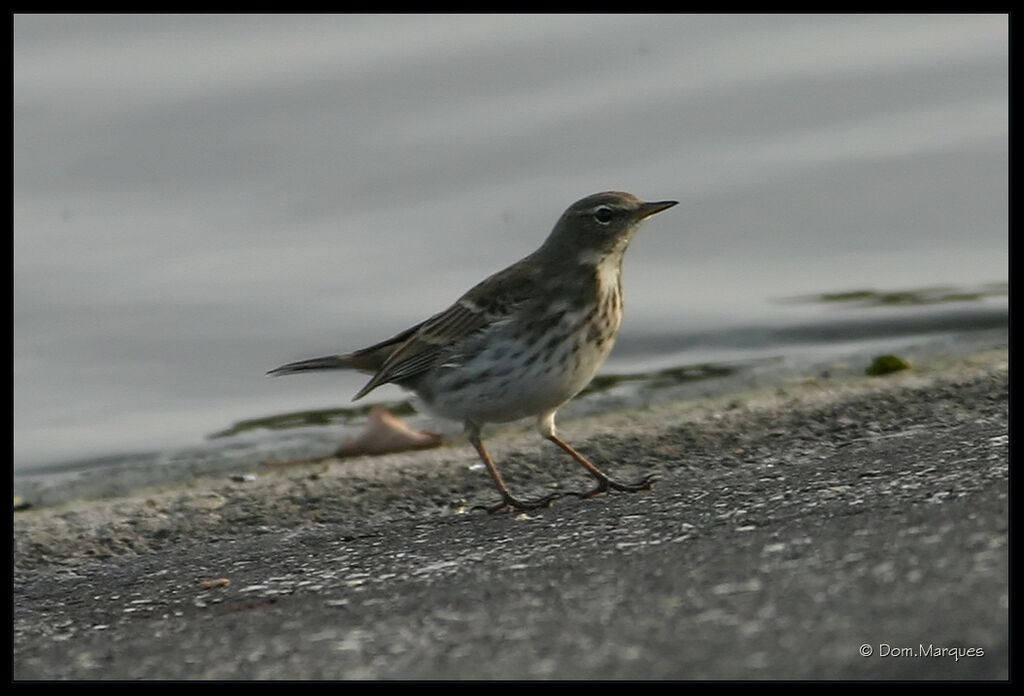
(522, 342)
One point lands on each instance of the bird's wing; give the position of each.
(491, 301)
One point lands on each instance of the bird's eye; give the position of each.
(603, 215)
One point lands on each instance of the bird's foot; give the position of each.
(603, 484)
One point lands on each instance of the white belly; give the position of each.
(509, 380)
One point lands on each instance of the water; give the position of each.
(201, 198)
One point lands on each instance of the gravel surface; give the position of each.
(792, 530)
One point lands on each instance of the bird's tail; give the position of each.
(346, 361)
(369, 360)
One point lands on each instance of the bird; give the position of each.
(520, 343)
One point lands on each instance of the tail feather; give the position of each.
(368, 360)
(329, 362)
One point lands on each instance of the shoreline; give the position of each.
(790, 527)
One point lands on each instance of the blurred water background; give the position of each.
(198, 199)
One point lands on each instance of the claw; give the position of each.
(603, 484)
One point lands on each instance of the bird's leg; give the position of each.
(604, 481)
(546, 424)
(508, 501)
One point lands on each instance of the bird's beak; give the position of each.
(649, 209)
